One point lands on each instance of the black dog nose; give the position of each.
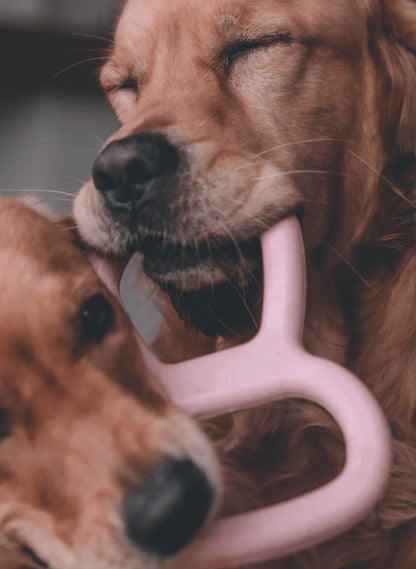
(164, 514)
(134, 169)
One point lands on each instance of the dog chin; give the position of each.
(191, 268)
(182, 274)
(191, 279)
(218, 296)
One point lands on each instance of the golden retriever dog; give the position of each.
(97, 469)
(235, 114)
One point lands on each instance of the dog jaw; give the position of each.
(196, 244)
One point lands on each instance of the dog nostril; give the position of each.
(127, 167)
(103, 180)
(164, 514)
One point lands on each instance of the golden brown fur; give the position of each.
(14, 558)
(81, 420)
(326, 122)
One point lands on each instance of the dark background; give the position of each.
(53, 117)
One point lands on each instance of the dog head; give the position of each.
(235, 115)
(97, 468)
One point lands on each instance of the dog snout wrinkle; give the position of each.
(164, 514)
(134, 169)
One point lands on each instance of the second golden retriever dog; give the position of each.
(235, 114)
(97, 469)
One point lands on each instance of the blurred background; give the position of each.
(53, 117)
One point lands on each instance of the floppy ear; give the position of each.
(12, 558)
(66, 222)
(395, 49)
(402, 20)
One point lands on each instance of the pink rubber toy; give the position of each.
(272, 366)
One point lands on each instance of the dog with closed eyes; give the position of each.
(97, 468)
(234, 115)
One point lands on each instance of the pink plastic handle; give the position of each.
(273, 366)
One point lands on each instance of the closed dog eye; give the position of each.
(129, 84)
(123, 93)
(243, 47)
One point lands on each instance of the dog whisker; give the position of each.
(208, 244)
(293, 172)
(206, 238)
(298, 142)
(361, 277)
(246, 306)
(196, 248)
(220, 321)
(183, 242)
(58, 192)
(349, 264)
(88, 149)
(252, 274)
(82, 182)
(243, 300)
(198, 256)
(240, 210)
(382, 177)
(89, 60)
(234, 241)
(96, 37)
(86, 50)
(252, 160)
(97, 138)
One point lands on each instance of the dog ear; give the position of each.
(401, 20)
(395, 48)
(66, 222)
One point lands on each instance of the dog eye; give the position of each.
(129, 84)
(97, 319)
(245, 47)
(5, 430)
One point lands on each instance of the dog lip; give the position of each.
(170, 257)
(171, 265)
(155, 248)
(172, 262)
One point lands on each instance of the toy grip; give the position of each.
(274, 366)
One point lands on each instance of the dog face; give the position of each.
(234, 115)
(97, 468)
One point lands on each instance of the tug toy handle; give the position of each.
(274, 365)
